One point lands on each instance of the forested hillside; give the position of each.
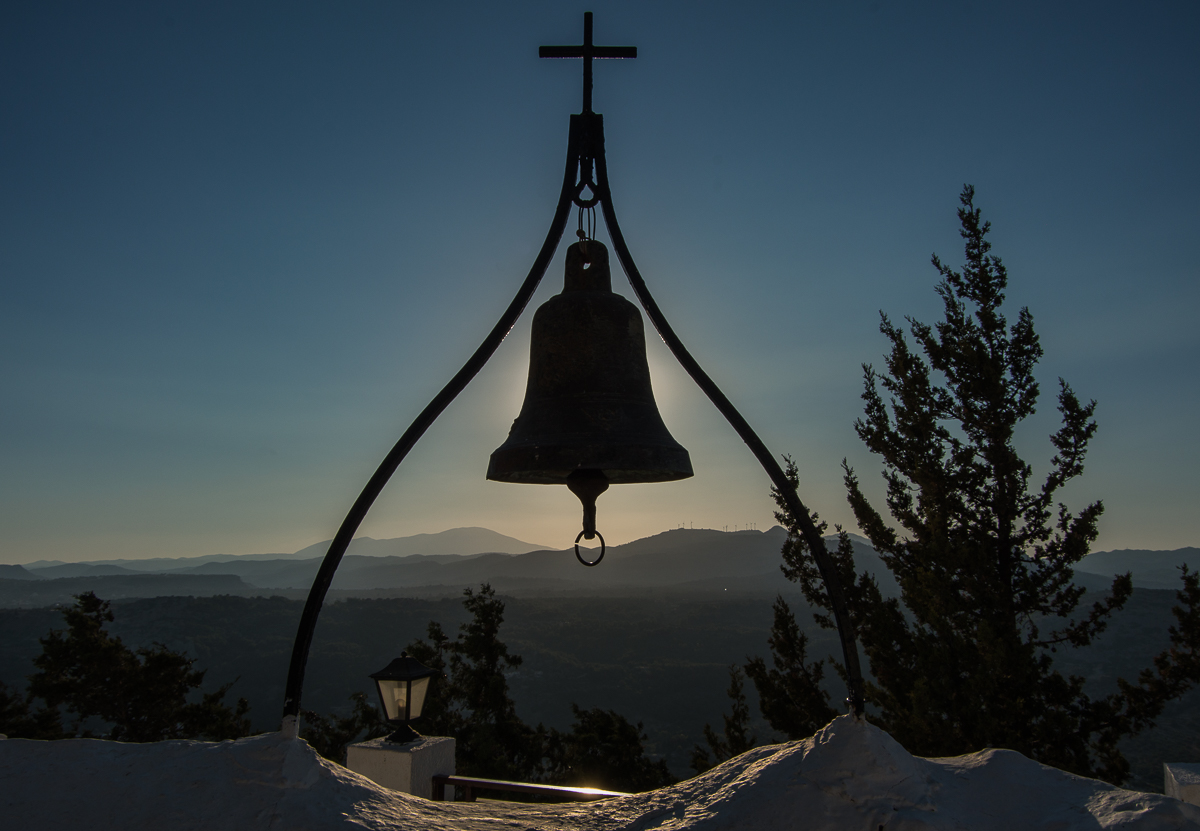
(657, 657)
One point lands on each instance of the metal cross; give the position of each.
(587, 51)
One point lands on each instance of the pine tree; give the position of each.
(471, 702)
(17, 720)
(736, 738)
(963, 659)
(105, 689)
(789, 694)
(474, 705)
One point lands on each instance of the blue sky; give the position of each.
(243, 244)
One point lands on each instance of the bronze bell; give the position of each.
(589, 418)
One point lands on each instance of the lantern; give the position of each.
(402, 687)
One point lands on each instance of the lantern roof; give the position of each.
(404, 668)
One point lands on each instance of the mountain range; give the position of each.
(1151, 569)
(689, 560)
(455, 542)
(701, 560)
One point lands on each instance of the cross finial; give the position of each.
(587, 51)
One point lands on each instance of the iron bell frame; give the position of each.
(586, 170)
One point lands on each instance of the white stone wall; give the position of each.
(408, 767)
(1182, 781)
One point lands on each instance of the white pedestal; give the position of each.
(408, 767)
(1182, 781)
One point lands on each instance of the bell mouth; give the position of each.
(620, 464)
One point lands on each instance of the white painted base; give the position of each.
(406, 767)
(1182, 781)
(290, 728)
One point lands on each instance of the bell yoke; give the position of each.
(589, 419)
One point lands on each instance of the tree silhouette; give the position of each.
(104, 689)
(736, 738)
(963, 659)
(331, 735)
(602, 750)
(472, 704)
(789, 693)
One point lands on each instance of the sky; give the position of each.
(242, 245)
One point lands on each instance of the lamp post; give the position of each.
(402, 686)
(406, 760)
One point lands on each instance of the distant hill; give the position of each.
(452, 543)
(700, 559)
(38, 594)
(78, 570)
(16, 573)
(160, 565)
(455, 542)
(687, 560)
(1151, 569)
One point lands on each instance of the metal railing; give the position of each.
(471, 784)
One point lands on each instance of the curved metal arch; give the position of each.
(358, 511)
(585, 145)
(812, 537)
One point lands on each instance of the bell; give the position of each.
(589, 418)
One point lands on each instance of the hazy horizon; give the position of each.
(320, 543)
(319, 546)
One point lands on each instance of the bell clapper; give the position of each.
(587, 485)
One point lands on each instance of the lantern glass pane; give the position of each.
(393, 695)
(420, 686)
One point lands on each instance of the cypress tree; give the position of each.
(983, 555)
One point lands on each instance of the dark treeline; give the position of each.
(660, 661)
